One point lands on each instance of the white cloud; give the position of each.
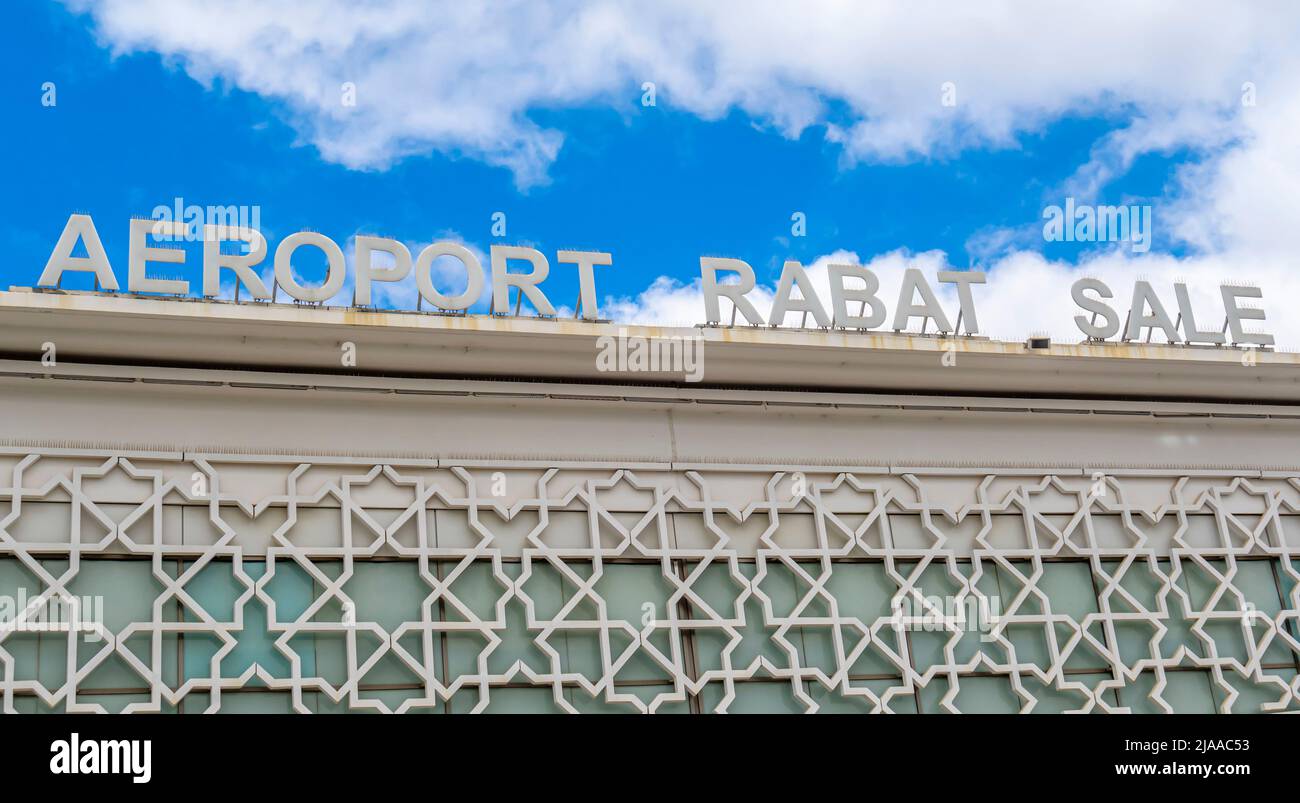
(462, 77)
(1196, 127)
(1025, 293)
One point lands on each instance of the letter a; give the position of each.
(78, 227)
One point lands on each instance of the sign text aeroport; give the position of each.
(916, 297)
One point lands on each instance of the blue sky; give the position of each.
(656, 186)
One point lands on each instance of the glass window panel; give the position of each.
(1186, 692)
(1253, 695)
(976, 695)
(753, 697)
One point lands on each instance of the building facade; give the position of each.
(210, 506)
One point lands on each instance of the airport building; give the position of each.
(251, 507)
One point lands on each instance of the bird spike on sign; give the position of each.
(795, 292)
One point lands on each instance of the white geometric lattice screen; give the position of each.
(273, 583)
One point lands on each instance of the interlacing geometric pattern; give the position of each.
(311, 584)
